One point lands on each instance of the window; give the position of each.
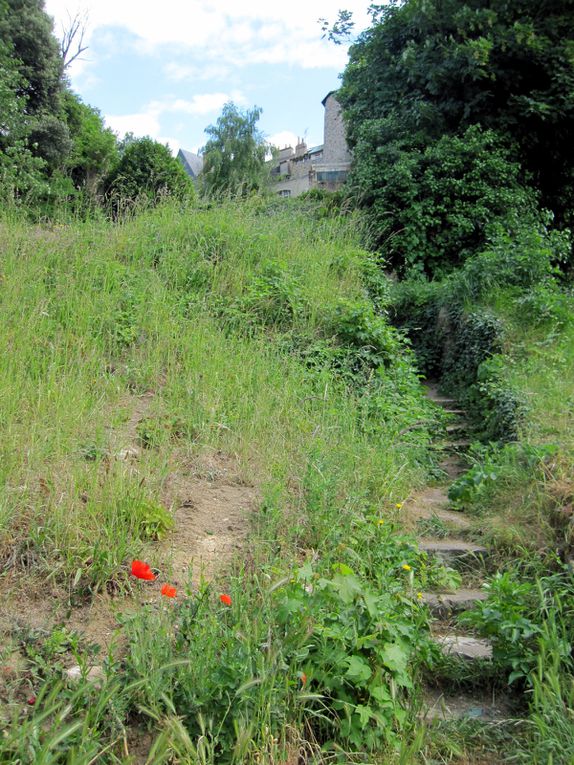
(285, 193)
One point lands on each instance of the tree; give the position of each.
(234, 156)
(36, 77)
(429, 67)
(27, 29)
(20, 171)
(94, 147)
(146, 171)
(432, 207)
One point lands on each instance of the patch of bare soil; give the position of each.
(211, 505)
(212, 508)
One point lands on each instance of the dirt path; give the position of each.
(212, 508)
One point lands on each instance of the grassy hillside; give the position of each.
(168, 384)
(218, 392)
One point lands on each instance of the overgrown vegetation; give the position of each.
(258, 345)
(150, 349)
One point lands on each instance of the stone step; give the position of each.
(464, 647)
(457, 427)
(458, 412)
(453, 467)
(444, 604)
(444, 402)
(432, 393)
(433, 495)
(448, 517)
(452, 551)
(459, 445)
(445, 706)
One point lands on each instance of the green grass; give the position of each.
(254, 330)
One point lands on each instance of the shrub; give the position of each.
(429, 209)
(146, 172)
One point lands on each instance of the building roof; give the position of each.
(315, 149)
(192, 163)
(330, 93)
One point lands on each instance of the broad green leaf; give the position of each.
(358, 670)
(394, 656)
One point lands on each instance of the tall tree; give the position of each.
(26, 31)
(94, 147)
(430, 67)
(234, 156)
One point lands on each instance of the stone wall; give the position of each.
(335, 149)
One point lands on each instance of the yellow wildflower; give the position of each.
(399, 505)
(380, 521)
(419, 595)
(406, 567)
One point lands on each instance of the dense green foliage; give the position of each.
(145, 172)
(423, 74)
(234, 155)
(34, 139)
(94, 147)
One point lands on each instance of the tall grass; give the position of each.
(241, 321)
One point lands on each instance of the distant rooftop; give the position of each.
(192, 163)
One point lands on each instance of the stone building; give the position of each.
(323, 167)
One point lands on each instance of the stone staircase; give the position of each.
(454, 549)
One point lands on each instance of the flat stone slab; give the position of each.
(468, 648)
(442, 604)
(462, 443)
(455, 519)
(457, 427)
(443, 706)
(450, 550)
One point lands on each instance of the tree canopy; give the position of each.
(430, 68)
(234, 156)
(146, 171)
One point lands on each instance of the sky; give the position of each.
(165, 69)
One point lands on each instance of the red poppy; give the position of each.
(31, 701)
(225, 599)
(142, 570)
(303, 677)
(168, 591)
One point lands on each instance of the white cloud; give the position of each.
(283, 139)
(143, 123)
(148, 121)
(173, 143)
(202, 104)
(223, 31)
(180, 72)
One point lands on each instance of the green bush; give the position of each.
(430, 208)
(146, 173)
(495, 462)
(515, 615)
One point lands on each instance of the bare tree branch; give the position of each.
(72, 42)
